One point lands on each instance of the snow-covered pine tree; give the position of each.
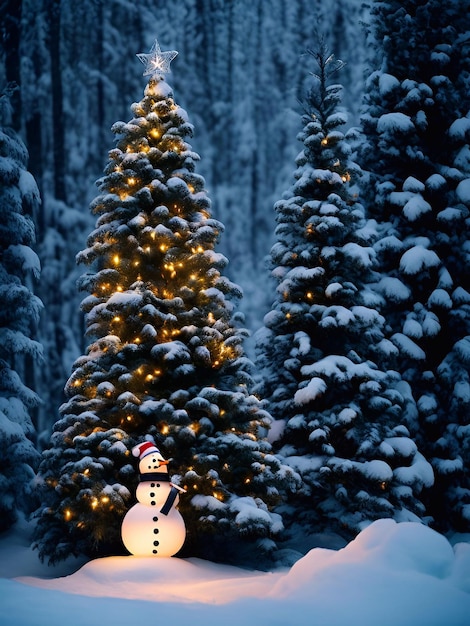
(416, 124)
(323, 354)
(166, 359)
(19, 314)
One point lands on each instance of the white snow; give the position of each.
(393, 289)
(387, 83)
(26, 257)
(392, 574)
(393, 122)
(460, 128)
(463, 191)
(316, 387)
(418, 258)
(416, 207)
(408, 346)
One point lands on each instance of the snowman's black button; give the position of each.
(156, 543)
(155, 531)
(155, 551)
(155, 519)
(153, 503)
(152, 484)
(152, 495)
(158, 484)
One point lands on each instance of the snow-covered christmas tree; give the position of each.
(325, 360)
(165, 361)
(19, 315)
(417, 133)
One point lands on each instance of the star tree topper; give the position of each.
(157, 63)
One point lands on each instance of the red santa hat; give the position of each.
(143, 449)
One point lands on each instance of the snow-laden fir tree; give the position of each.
(325, 361)
(166, 359)
(19, 314)
(416, 124)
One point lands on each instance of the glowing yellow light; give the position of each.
(119, 288)
(116, 318)
(194, 486)
(137, 340)
(288, 315)
(67, 514)
(129, 418)
(131, 181)
(324, 141)
(163, 247)
(87, 471)
(193, 277)
(116, 259)
(149, 377)
(247, 481)
(77, 383)
(157, 372)
(155, 133)
(94, 503)
(165, 430)
(309, 295)
(152, 234)
(105, 499)
(191, 188)
(222, 411)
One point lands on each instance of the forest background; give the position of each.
(242, 69)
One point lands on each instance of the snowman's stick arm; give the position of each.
(180, 489)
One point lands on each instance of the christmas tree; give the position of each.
(19, 315)
(165, 362)
(325, 359)
(417, 132)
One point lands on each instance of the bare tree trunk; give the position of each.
(54, 8)
(10, 26)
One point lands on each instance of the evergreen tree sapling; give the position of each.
(416, 125)
(19, 314)
(323, 352)
(165, 362)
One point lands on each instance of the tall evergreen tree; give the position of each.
(166, 359)
(325, 359)
(19, 314)
(417, 130)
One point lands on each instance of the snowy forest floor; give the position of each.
(391, 574)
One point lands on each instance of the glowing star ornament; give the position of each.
(157, 63)
(153, 526)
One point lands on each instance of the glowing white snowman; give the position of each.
(153, 526)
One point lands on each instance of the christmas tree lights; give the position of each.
(165, 360)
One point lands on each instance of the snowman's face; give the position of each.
(152, 463)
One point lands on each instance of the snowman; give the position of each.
(153, 526)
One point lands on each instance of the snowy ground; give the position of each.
(391, 575)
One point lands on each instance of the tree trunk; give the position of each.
(57, 101)
(10, 24)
